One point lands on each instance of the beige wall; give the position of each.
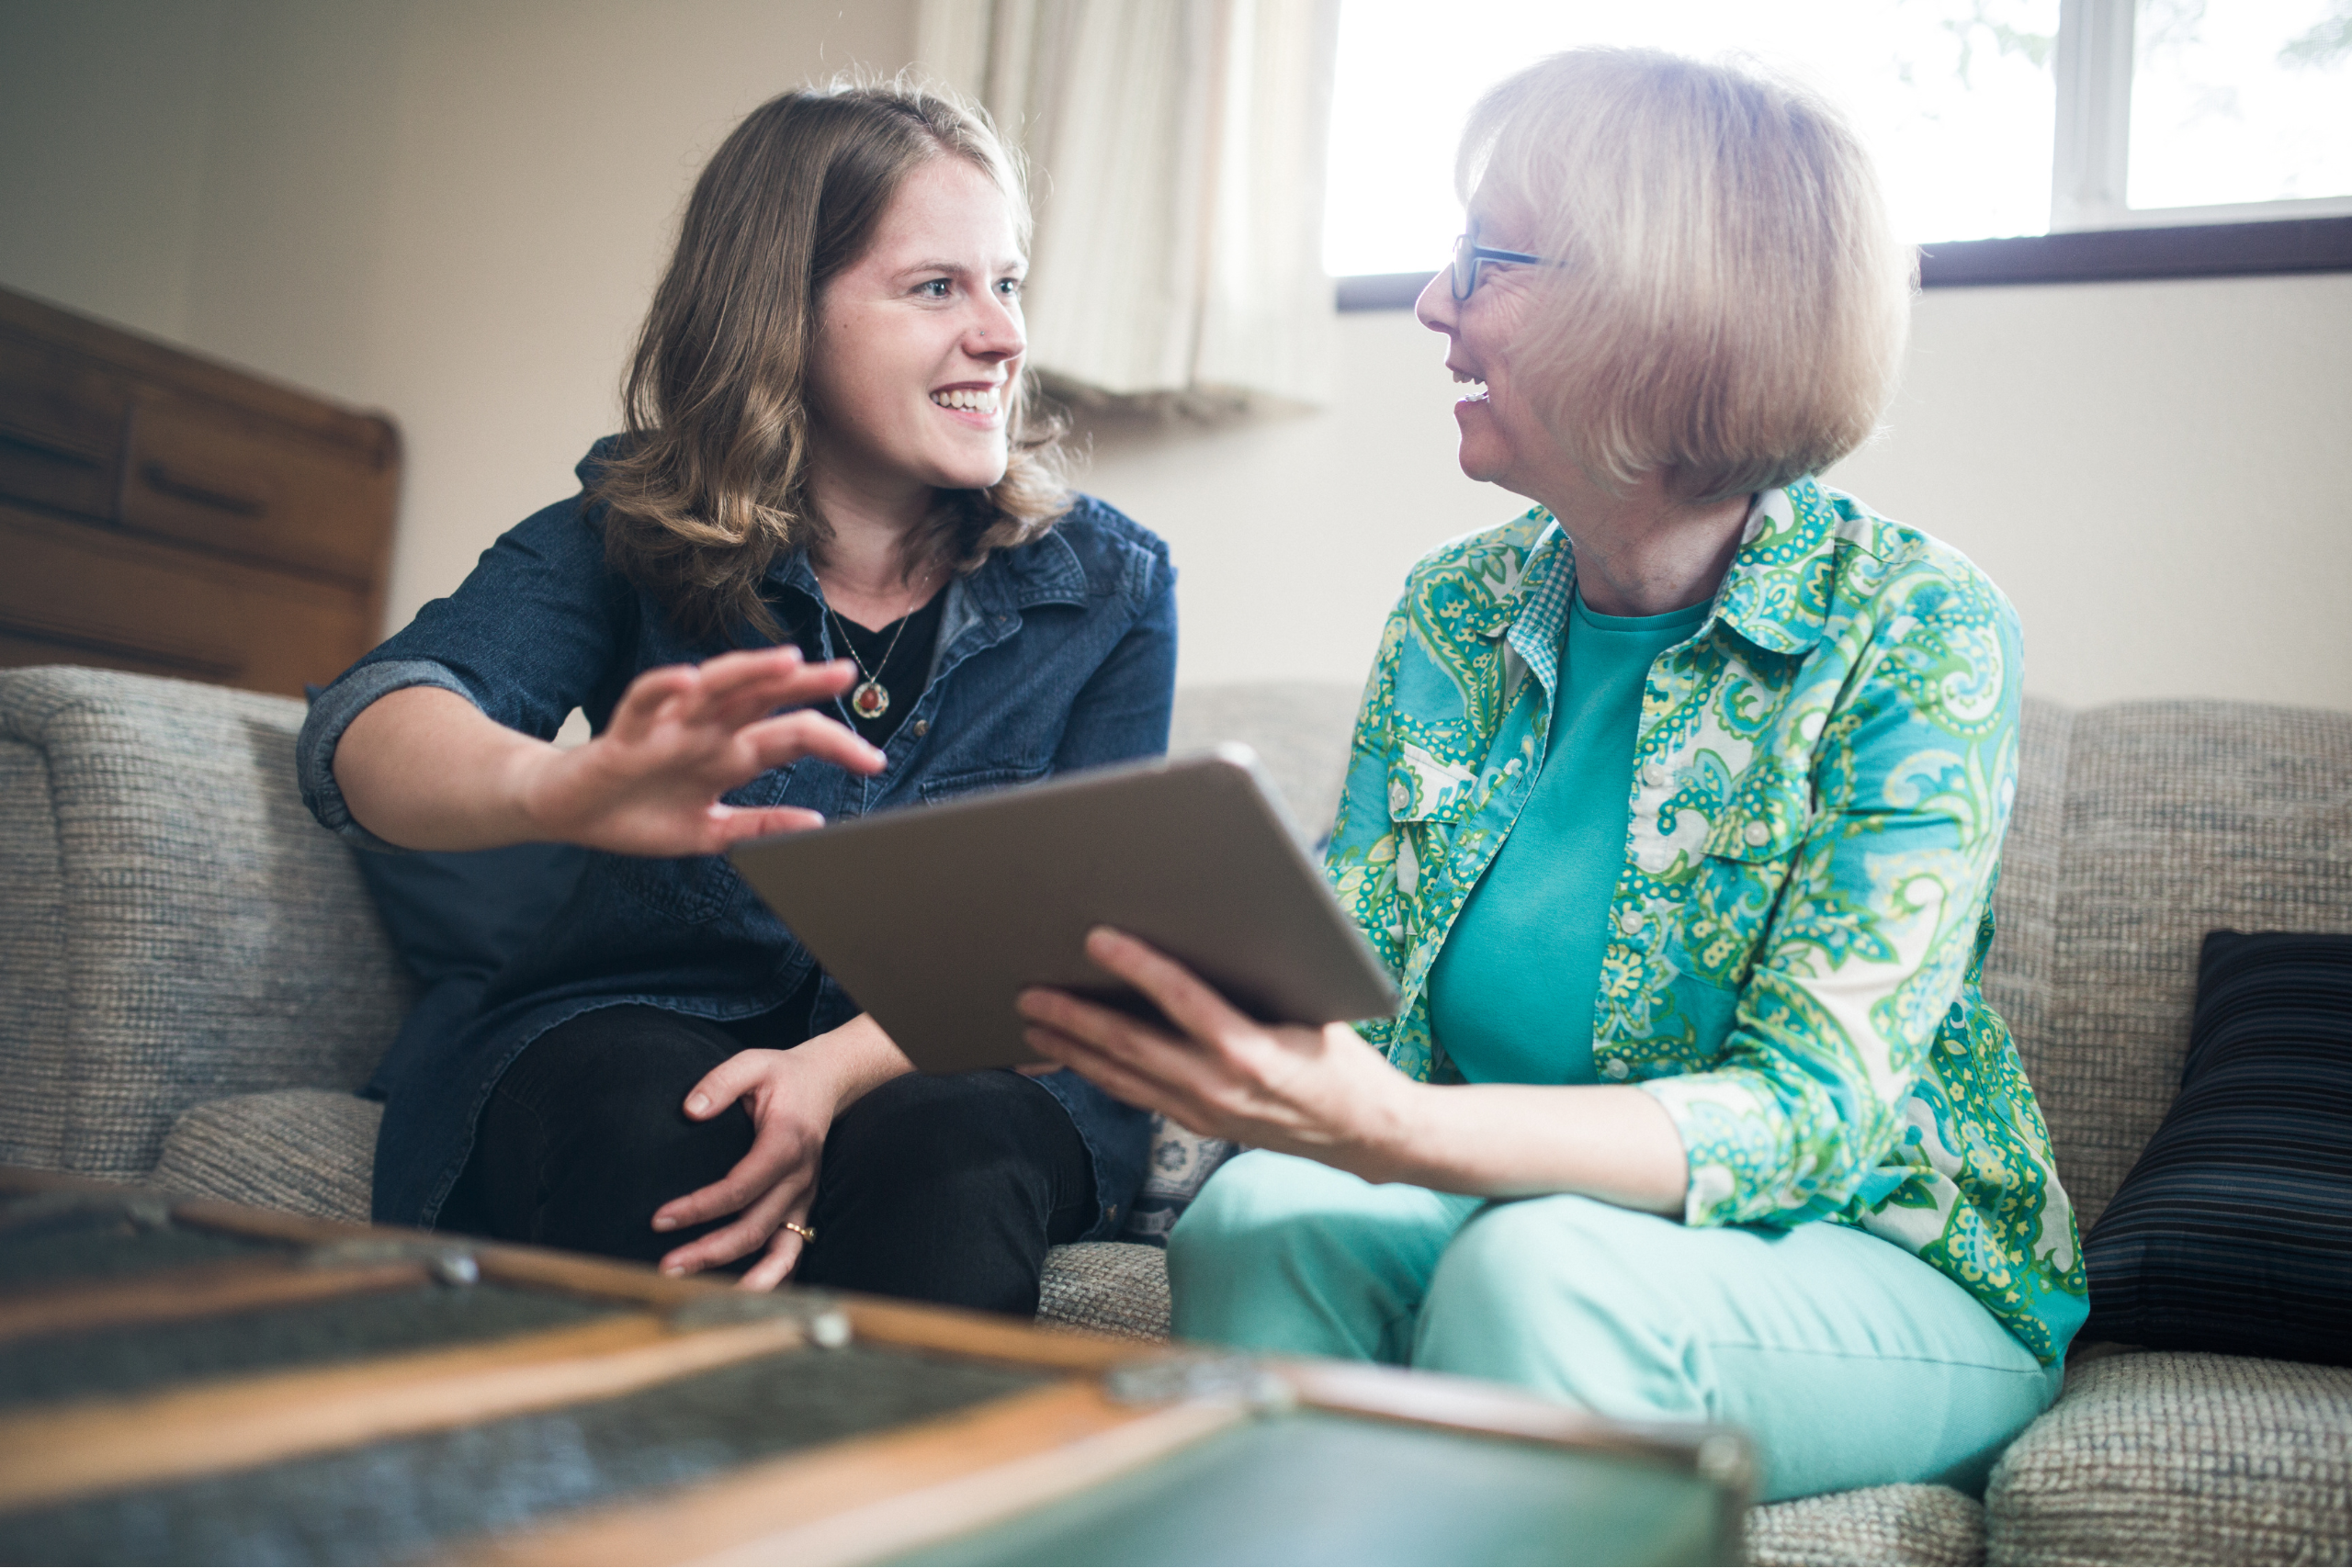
(455, 213)
(450, 211)
(2159, 475)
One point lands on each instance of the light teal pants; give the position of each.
(1849, 1361)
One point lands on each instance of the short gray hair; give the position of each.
(1731, 304)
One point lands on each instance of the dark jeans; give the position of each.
(943, 1189)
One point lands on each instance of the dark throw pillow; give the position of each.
(456, 919)
(2234, 1232)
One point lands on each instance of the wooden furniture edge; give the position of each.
(141, 356)
(171, 1295)
(61, 1451)
(906, 1326)
(870, 1497)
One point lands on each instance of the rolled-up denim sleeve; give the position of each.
(331, 712)
(539, 626)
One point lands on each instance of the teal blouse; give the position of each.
(1511, 994)
(1822, 776)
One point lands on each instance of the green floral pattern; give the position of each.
(1822, 779)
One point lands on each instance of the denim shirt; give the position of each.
(1823, 776)
(1056, 655)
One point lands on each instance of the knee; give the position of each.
(1555, 1294)
(1259, 1210)
(958, 1134)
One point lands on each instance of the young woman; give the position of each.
(831, 504)
(1676, 805)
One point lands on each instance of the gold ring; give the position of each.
(807, 1234)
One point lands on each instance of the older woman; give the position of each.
(1675, 806)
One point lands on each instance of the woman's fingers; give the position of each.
(776, 1151)
(1190, 1004)
(757, 1172)
(784, 1247)
(1103, 1035)
(646, 695)
(789, 736)
(1112, 1075)
(794, 686)
(728, 1082)
(731, 673)
(731, 825)
(749, 1230)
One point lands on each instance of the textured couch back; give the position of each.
(2140, 827)
(174, 928)
(1300, 729)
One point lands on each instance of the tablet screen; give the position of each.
(935, 917)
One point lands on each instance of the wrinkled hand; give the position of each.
(1322, 1093)
(791, 1103)
(681, 737)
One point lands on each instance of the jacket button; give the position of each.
(1614, 1070)
(921, 727)
(1757, 833)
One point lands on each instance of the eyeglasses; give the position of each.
(1467, 255)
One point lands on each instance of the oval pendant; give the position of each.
(869, 699)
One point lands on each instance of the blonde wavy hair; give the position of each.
(1728, 302)
(711, 486)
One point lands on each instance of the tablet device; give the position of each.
(934, 919)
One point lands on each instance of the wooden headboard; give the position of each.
(168, 515)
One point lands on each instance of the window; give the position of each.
(1990, 118)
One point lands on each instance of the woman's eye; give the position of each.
(1009, 286)
(935, 288)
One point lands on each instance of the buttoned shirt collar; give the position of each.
(1781, 526)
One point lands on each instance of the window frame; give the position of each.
(2095, 236)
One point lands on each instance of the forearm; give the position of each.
(853, 1059)
(424, 768)
(1610, 1142)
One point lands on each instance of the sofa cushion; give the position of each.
(1876, 1524)
(176, 928)
(1116, 1288)
(2234, 1232)
(2171, 819)
(2166, 1456)
(309, 1151)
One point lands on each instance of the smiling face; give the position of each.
(918, 343)
(1504, 441)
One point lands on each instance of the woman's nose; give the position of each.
(997, 332)
(1436, 308)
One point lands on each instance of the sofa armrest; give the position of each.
(307, 1151)
(176, 928)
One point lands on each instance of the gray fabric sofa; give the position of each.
(193, 981)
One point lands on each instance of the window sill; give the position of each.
(2092, 255)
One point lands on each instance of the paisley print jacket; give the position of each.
(1822, 778)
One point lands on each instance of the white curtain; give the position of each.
(1176, 152)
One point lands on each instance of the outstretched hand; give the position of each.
(1322, 1093)
(681, 737)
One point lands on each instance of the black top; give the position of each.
(897, 657)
